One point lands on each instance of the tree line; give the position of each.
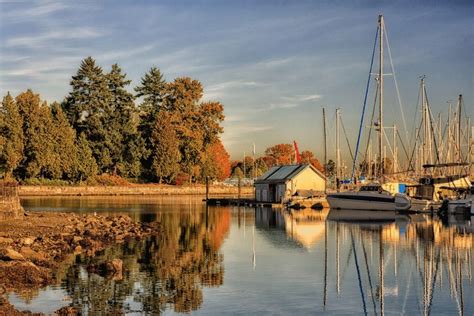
(276, 155)
(164, 132)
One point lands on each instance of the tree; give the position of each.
(64, 138)
(282, 154)
(86, 166)
(122, 129)
(308, 157)
(11, 136)
(165, 150)
(217, 163)
(330, 168)
(153, 91)
(89, 108)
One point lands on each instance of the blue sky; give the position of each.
(273, 64)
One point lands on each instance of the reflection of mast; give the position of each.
(254, 262)
(337, 258)
(325, 264)
(358, 273)
(381, 274)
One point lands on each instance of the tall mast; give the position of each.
(425, 154)
(458, 131)
(325, 151)
(338, 148)
(381, 33)
(395, 160)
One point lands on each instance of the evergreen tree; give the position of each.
(166, 155)
(153, 91)
(126, 143)
(64, 142)
(89, 108)
(42, 159)
(11, 136)
(86, 166)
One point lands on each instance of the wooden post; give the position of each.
(207, 189)
(239, 188)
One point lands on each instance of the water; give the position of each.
(230, 260)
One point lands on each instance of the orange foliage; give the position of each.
(308, 157)
(282, 154)
(221, 159)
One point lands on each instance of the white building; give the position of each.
(281, 182)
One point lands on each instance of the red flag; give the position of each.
(297, 152)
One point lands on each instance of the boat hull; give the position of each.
(366, 201)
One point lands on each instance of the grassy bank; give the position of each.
(135, 189)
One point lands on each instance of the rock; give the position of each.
(5, 241)
(78, 249)
(8, 254)
(27, 241)
(77, 239)
(32, 255)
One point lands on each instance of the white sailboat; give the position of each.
(372, 197)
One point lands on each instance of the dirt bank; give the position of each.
(33, 247)
(133, 189)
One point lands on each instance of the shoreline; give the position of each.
(34, 247)
(131, 190)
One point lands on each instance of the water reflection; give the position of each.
(167, 270)
(276, 262)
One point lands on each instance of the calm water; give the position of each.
(230, 260)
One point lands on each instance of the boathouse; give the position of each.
(281, 182)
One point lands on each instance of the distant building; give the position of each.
(281, 182)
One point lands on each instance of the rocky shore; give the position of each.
(33, 246)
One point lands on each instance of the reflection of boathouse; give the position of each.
(284, 181)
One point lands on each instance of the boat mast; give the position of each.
(458, 131)
(381, 32)
(424, 157)
(325, 152)
(338, 144)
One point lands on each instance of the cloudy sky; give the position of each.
(273, 64)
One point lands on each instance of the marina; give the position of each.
(236, 158)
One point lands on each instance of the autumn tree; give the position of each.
(11, 136)
(217, 162)
(282, 154)
(308, 157)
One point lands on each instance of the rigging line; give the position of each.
(347, 139)
(365, 103)
(396, 83)
(414, 146)
(431, 125)
(403, 146)
(358, 274)
(415, 116)
(371, 122)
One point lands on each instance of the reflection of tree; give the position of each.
(169, 268)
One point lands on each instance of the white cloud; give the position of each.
(47, 38)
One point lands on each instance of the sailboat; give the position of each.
(373, 196)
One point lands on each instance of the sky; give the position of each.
(273, 64)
